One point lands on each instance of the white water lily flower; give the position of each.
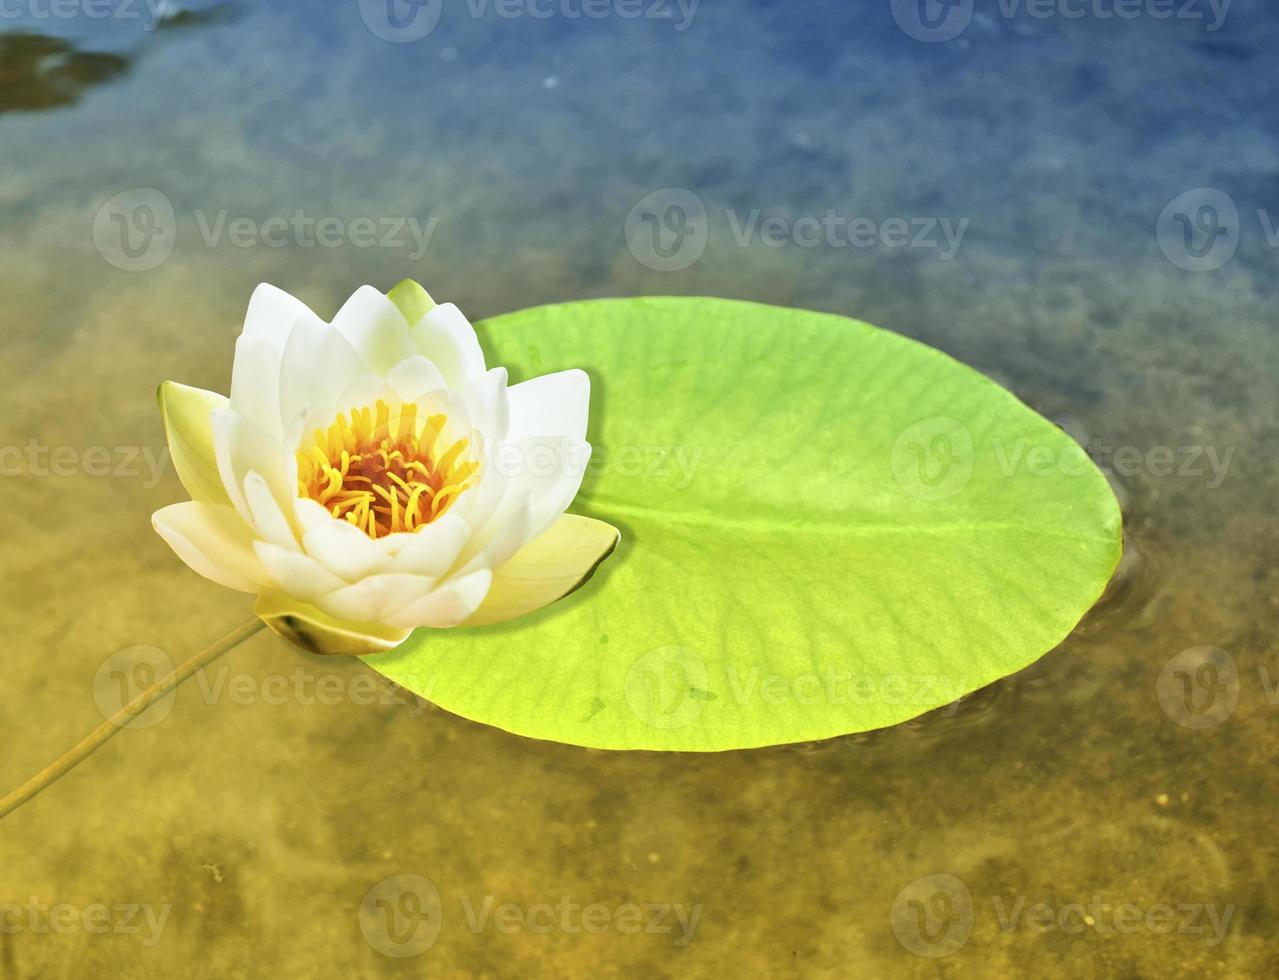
(371, 476)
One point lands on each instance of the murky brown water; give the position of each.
(1106, 813)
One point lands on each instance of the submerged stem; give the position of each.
(121, 719)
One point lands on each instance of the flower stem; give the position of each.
(121, 719)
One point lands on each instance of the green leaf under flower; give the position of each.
(826, 528)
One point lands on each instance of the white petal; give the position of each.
(544, 472)
(457, 417)
(242, 448)
(496, 545)
(375, 328)
(255, 383)
(448, 605)
(364, 392)
(432, 549)
(552, 405)
(214, 541)
(318, 364)
(296, 574)
(553, 475)
(344, 549)
(485, 398)
(414, 378)
(311, 514)
(255, 373)
(447, 338)
(268, 518)
(271, 315)
(478, 504)
(376, 598)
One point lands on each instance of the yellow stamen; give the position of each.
(383, 469)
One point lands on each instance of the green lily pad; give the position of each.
(826, 528)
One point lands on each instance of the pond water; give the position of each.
(1080, 199)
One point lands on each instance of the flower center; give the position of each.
(384, 470)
